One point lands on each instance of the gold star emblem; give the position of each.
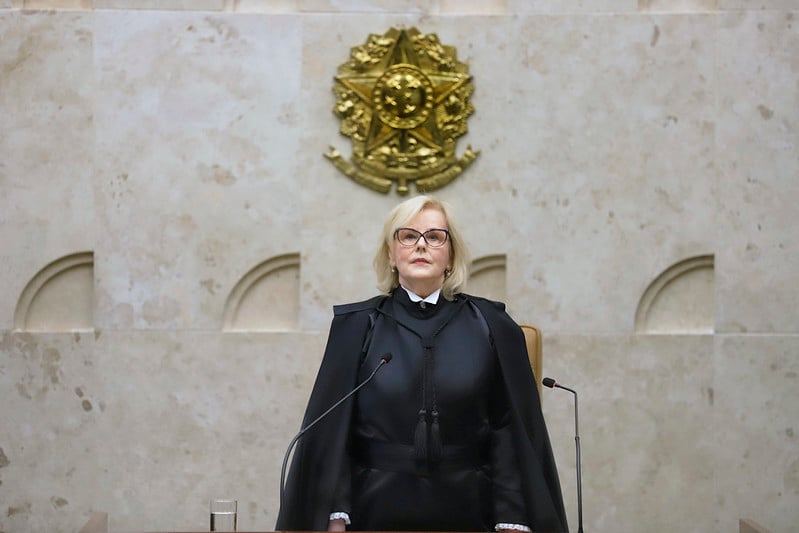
(403, 99)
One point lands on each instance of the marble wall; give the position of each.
(172, 240)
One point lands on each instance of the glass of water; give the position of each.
(223, 515)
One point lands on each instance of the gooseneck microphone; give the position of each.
(383, 360)
(551, 383)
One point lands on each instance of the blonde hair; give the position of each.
(387, 280)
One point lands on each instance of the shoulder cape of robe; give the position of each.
(314, 472)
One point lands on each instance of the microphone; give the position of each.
(551, 383)
(383, 360)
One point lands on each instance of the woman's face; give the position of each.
(421, 267)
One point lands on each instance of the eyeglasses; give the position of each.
(435, 238)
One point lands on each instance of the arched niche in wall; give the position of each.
(680, 300)
(487, 277)
(267, 297)
(60, 297)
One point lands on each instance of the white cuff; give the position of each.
(515, 527)
(346, 517)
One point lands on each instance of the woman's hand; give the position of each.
(336, 525)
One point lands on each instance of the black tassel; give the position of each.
(420, 437)
(435, 440)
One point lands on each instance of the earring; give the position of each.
(393, 270)
(447, 273)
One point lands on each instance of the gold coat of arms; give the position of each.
(403, 99)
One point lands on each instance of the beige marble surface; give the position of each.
(644, 407)
(757, 144)
(188, 173)
(47, 145)
(618, 115)
(754, 429)
(183, 147)
(148, 426)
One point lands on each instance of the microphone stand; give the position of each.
(551, 383)
(579, 476)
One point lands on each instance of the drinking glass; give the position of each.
(223, 515)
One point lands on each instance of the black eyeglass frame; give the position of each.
(421, 236)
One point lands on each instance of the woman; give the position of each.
(448, 437)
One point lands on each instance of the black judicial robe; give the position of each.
(314, 476)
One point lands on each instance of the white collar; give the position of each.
(432, 299)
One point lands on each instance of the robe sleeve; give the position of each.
(539, 479)
(313, 478)
(342, 499)
(507, 492)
